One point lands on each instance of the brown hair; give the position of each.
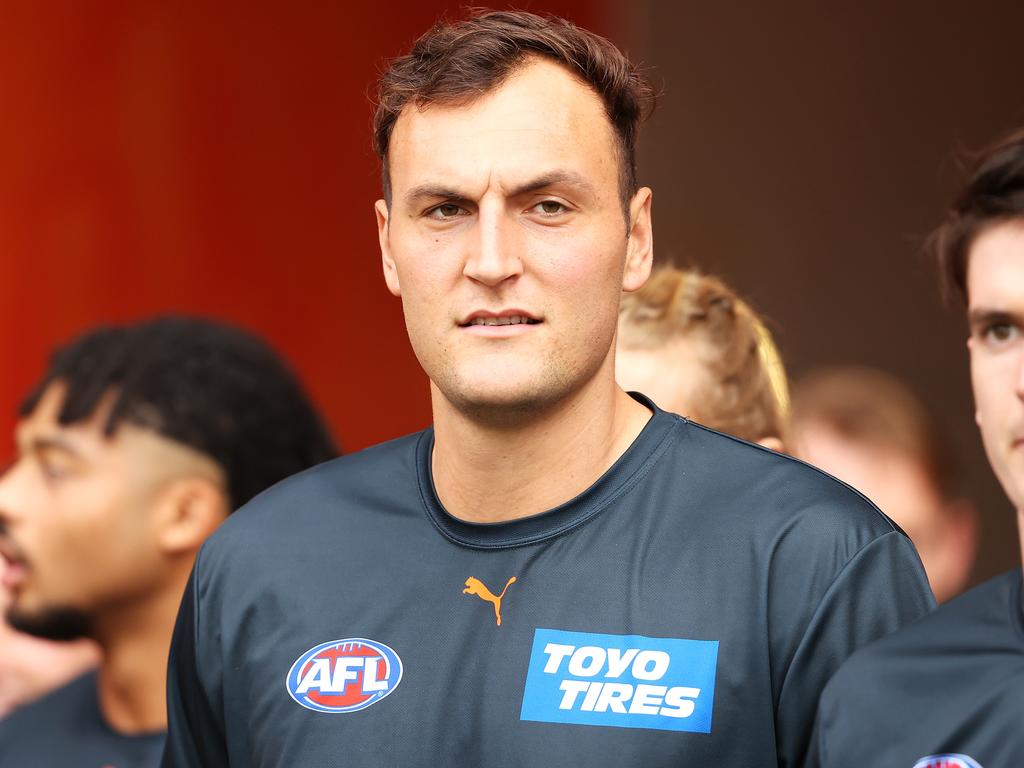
(994, 193)
(457, 62)
(871, 408)
(745, 392)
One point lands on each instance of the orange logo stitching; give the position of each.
(476, 587)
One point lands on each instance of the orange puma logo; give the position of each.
(476, 587)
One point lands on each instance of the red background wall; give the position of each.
(212, 159)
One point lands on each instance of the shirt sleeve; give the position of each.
(195, 724)
(882, 588)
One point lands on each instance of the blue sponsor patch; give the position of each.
(626, 681)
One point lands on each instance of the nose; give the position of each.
(8, 492)
(494, 254)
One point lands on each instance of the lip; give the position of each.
(12, 565)
(12, 574)
(511, 312)
(499, 330)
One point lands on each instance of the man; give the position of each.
(947, 692)
(556, 573)
(136, 444)
(693, 346)
(869, 430)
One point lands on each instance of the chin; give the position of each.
(502, 400)
(61, 623)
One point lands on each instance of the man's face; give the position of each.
(995, 287)
(74, 522)
(507, 241)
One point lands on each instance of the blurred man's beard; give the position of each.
(52, 624)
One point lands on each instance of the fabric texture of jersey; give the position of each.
(950, 684)
(66, 728)
(685, 610)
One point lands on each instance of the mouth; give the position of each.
(494, 319)
(13, 567)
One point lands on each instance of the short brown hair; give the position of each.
(994, 193)
(873, 409)
(745, 392)
(457, 62)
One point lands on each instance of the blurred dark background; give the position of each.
(215, 159)
(803, 151)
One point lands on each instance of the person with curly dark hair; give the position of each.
(137, 442)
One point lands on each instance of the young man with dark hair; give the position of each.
(135, 445)
(556, 573)
(948, 692)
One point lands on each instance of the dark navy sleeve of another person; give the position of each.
(945, 692)
(199, 736)
(685, 610)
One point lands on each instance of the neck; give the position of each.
(488, 473)
(1020, 531)
(133, 671)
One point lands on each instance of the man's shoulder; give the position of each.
(381, 470)
(980, 623)
(776, 491)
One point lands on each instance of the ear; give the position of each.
(639, 241)
(189, 510)
(384, 237)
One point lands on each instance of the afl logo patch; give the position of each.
(344, 675)
(947, 761)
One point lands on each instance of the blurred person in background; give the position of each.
(31, 666)
(948, 691)
(869, 430)
(688, 342)
(133, 447)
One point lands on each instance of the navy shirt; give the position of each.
(65, 728)
(949, 688)
(685, 610)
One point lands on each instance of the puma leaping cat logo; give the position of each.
(476, 587)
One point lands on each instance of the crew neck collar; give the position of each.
(628, 469)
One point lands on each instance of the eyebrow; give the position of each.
(553, 178)
(51, 443)
(981, 316)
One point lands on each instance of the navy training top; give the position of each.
(685, 610)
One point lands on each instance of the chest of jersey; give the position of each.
(575, 652)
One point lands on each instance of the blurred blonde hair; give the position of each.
(744, 390)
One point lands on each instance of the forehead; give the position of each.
(86, 437)
(542, 117)
(995, 267)
(44, 418)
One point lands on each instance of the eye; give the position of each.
(1000, 333)
(54, 465)
(445, 211)
(550, 208)
(53, 471)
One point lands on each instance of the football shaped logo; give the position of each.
(344, 675)
(947, 761)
